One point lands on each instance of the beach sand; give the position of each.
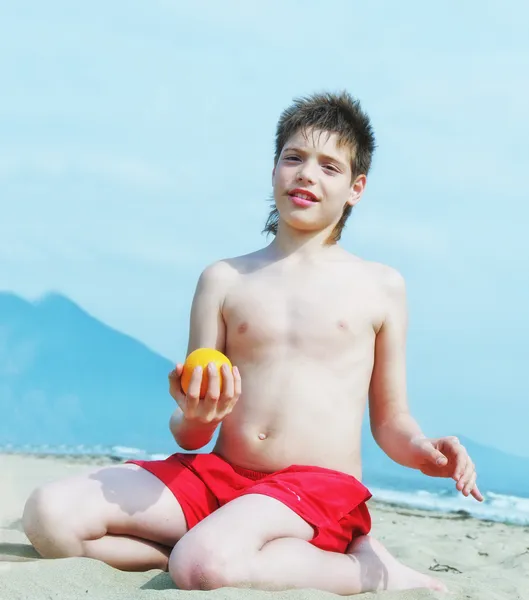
(475, 559)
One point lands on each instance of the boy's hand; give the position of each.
(217, 404)
(446, 457)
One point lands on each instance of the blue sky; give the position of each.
(136, 143)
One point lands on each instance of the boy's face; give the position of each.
(313, 181)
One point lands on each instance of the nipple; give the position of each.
(262, 436)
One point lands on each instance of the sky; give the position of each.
(136, 147)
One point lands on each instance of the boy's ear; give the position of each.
(357, 189)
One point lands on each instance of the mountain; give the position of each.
(68, 379)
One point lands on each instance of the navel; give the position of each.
(262, 436)
(343, 325)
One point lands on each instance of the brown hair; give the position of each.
(331, 113)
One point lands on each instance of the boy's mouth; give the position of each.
(303, 195)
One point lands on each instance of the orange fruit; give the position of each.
(201, 358)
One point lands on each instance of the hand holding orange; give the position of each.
(201, 358)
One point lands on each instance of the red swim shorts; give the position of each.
(333, 503)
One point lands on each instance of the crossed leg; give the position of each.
(126, 517)
(257, 542)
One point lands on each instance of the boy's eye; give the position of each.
(292, 158)
(331, 168)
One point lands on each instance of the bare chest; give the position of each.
(326, 315)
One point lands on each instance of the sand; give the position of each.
(475, 559)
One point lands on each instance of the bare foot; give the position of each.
(382, 571)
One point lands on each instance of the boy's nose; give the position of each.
(305, 175)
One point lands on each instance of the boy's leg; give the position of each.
(122, 515)
(265, 545)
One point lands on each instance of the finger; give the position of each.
(459, 473)
(469, 477)
(193, 390)
(449, 445)
(467, 474)
(228, 383)
(176, 373)
(213, 393)
(433, 455)
(469, 485)
(228, 391)
(477, 494)
(175, 387)
(460, 459)
(237, 384)
(452, 440)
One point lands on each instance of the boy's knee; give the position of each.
(45, 523)
(38, 511)
(198, 564)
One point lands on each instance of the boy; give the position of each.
(313, 331)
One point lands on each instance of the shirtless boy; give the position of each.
(315, 333)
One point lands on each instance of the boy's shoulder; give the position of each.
(234, 266)
(389, 277)
(383, 275)
(227, 271)
(387, 289)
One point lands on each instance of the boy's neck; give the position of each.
(291, 242)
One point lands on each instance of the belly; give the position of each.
(310, 418)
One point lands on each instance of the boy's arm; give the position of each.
(206, 330)
(392, 425)
(206, 324)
